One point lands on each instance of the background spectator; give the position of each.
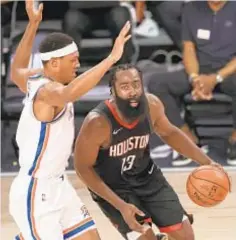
(168, 15)
(209, 54)
(83, 17)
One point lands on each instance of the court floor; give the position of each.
(210, 223)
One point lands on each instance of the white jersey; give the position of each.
(41, 194)
(44, 147)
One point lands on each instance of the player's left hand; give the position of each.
(120, 41)
(35, 15)
(220, 167)
(129, 212)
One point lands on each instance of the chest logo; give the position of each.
(116, 131)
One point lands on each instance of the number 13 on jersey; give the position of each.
(127, 163)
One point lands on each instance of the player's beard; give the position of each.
(131, 113)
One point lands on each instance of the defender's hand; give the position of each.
(35, 15)
(119, 44)
(128, 212)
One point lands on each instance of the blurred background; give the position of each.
(156, 47)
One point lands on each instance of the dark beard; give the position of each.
(131, 113)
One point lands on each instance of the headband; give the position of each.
(71, 48)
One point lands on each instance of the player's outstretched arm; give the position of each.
(57, 95)
(172, 135)
(94, 133)
(19, 71)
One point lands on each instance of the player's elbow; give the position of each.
(82, 169)
(14, 75)
(79, 165)
(18, 79)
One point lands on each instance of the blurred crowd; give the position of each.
(200, 96)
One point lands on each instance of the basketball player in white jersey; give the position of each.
(42, 201)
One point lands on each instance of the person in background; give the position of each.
(168, 15)
(83, 17)
(209, 56)
(165, 13)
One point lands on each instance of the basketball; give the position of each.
(208, 186)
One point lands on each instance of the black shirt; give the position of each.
(214, 34)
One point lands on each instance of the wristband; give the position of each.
(192, 76)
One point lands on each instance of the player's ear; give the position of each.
(54, 62)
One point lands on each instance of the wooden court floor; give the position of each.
(210, 223)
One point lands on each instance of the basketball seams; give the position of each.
(212, 168)
(216, 201)
(193, 197)
(194, 176)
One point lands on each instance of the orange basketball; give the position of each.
(208, 186)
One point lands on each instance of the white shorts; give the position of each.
(48, 209)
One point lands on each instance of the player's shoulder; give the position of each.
(156, 108)
(96, 120)
(153, 100)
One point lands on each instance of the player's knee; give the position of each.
(187, 231)
(183, 232)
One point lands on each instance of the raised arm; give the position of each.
(95, 132)
(55, 94)
(19, 72)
